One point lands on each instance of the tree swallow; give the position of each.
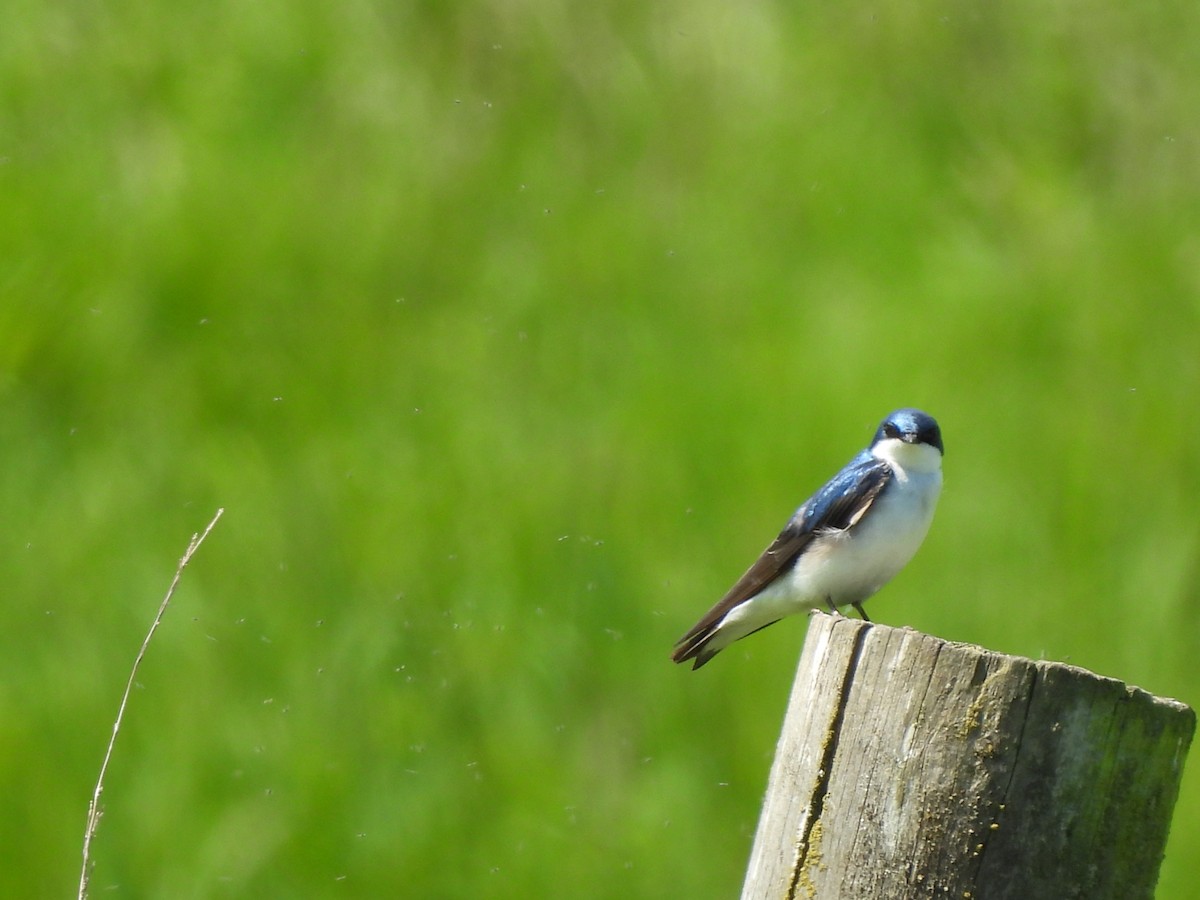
(845, 543)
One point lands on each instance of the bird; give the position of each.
(842, 545)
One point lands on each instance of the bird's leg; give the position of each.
(833, 610)
(857, 604)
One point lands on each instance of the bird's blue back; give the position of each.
(834, 504)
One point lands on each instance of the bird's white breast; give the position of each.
(849, 566)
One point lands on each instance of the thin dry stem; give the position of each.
(94, 810)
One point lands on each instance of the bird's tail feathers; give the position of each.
(697, 643)
(694, 646)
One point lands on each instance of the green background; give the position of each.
(507, 334)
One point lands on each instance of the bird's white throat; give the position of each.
(909, 459)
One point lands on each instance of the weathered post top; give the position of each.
(912, 767)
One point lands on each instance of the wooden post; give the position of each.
(911, 767)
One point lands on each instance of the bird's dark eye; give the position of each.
(890, 430)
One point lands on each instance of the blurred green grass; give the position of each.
(507, 334)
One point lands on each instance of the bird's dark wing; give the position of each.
(839, 505)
